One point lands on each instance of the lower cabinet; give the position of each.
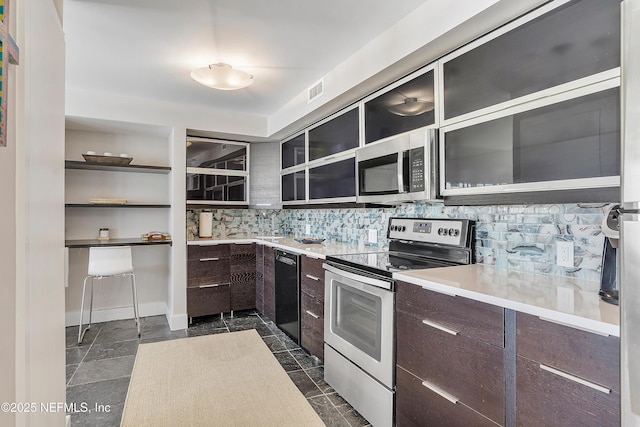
(269, 278)
(312, 306)
(448, 356)
(418, 406)
(208, 299)
(260, 278)
(220, 278)
(208, 279)
(572, 379)
(452, 369)
(242, 269)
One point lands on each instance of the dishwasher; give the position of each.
(288, 293)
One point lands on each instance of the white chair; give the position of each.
(104, 262)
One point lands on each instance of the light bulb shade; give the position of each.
(411, 107)
(222, 77)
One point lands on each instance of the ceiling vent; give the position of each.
(315, 91)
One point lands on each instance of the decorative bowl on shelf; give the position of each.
(309, 240)
(107, 160)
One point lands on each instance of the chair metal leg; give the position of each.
(136, 315)
(84, 289)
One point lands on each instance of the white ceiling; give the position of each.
(146, 48)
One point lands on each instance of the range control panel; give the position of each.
(441, 231)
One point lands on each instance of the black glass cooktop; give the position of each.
(386, 263)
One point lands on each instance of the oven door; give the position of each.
(359, 321)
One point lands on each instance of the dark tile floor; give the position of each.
(99, 369)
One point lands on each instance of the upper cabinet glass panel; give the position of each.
(216, 155)
(293, 152)
(570, 140)
(575, 40)
(404, 108)
(339, 134)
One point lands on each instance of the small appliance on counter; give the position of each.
(610, 260)
(205, 226)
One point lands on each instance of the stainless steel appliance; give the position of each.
(398, 169)
(630, 216)
(287, 276)
(359, 330)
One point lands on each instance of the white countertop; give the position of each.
(314, 250)
(563, 300)
(559, 299)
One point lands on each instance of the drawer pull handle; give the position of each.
(209, 259)
(575, 379)
(215, 285)
(312, 314)
(312, 277)
(440, 392)
(440, 327)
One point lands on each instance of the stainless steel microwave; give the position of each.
(398, 169)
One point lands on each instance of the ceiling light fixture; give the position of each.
(222, 76)
(411, 107)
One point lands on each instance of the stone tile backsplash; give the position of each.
(514, 237)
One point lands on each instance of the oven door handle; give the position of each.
(358, 278)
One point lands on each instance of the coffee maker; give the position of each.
(610, 261)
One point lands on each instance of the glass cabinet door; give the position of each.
(570, 140)
(216, 155)
(336, 135)
(406, 107)
(333, 180)
(572, 41)
(294, 187)
(293, 152)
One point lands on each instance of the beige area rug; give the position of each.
(214, 380)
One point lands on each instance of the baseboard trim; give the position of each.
(117, 313)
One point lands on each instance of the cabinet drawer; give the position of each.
(470, 370)
(547, 399)
(312, 277)
(477, 320)
(312, 325)
(417, 406)
(195, 252)
(207, 272)
(202, 301)
(588, 355)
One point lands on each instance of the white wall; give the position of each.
(112, 297)
(429, 32)
(32, 358)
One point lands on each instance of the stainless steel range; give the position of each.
(359, 330)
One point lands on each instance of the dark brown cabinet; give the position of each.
(453, 348)
(269, 278)
(573, 379)
(242, 268)
(312, 306)
(220, 278)
(260, 278)
(208, 279)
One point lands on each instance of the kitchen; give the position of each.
(506, 228)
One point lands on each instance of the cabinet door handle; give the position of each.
(313, 277)
(575, 379)
(439, 327)
(215, 285)
(440, 392)
(209, 259)
(312, 314)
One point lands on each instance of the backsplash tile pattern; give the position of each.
(519, 238)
